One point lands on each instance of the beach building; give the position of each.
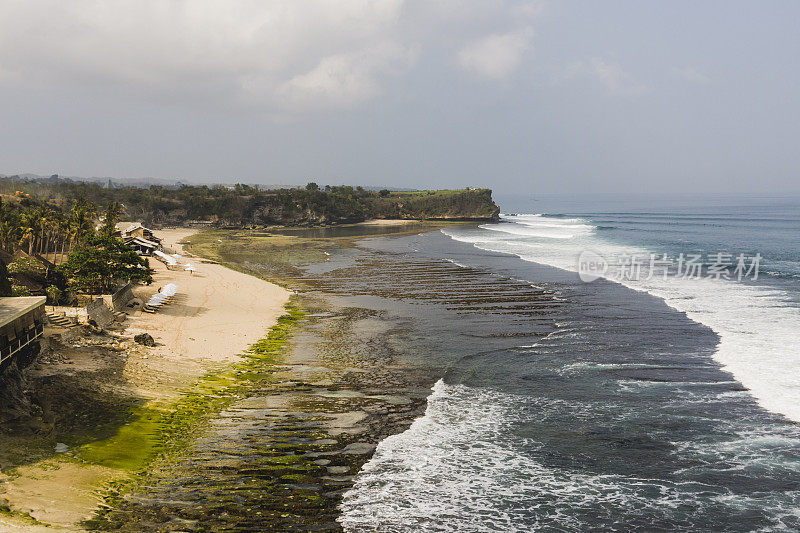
(129, 230)
(138, 237)
(143, 246)
(21, 326)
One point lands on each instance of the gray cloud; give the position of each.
(690, 74)
(517, 95)
(284, 55)
(496, 56)
(608, 73)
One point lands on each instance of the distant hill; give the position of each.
(116, 182)
(245, 205)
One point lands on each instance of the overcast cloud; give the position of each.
(515, 95)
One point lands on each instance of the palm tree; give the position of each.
(64, 230)
(43, 222)
(82, 217)
(113, 212)
(9, 229)
(29, 226)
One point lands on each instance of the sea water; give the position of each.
(657, 402)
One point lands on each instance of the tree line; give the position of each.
(42, 228)
(61, 248)
(55, 222)
(245, 205)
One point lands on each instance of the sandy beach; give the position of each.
(302, 425)
(216, 315)
(281, 455)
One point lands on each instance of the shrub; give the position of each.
(20, 290)
(54, 295)
(26, 265)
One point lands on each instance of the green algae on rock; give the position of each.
(160, 432)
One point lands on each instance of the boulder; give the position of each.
(145, 339)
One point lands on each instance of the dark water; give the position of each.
(608, 410)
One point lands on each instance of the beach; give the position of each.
(217, 314)
(288, 431)
(282, 453)
(405, 357)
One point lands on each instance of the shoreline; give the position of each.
(303, 420)
(218, 314)
(303, 424)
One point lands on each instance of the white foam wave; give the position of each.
(538, 226)
(456, 263)
(459, 468)
(757, 325)
(547, 232)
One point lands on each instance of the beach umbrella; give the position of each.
(190, 268)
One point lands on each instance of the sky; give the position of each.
(678, 97)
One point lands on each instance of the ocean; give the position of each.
(662, 395)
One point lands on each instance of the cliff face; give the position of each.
(326, 208)
(339, 205)
(245, 205)
(469, 204)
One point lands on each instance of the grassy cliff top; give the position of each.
(245, 205)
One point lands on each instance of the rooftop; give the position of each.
(143, 242)
(127, 226)
(12, 308)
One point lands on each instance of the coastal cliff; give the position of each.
(341, 205)
(467, 204)
(243, 206)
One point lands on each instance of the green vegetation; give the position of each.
(164, 430)
(5, 284)
(39, 227)
(96, 267)
(19, 516)
(271, 256)
(26, 265)
(44, 223)
(168, 428)
(37, 234)
(246, 206)
(434, 205)
(20, 290)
